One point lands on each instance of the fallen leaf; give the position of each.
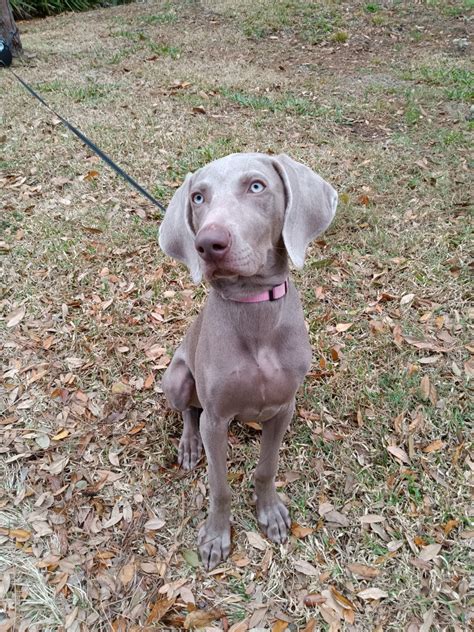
(469, 368)
(429, 552)
(159, 610)
(241, 626)
(187, 595)
(90, 175)
(43, 441)
(428, 619)
(341, 327)
(372, 593)
(398, 453)
(154, 524)
(120, 388)
(429, 344)
(16, 316)
(148, 383)
(113, 458)
(155, 351)
(434, 446)
(325, 508)
(302, 566)
(299, 531)
(202, 618)
(363, 571)
(127, 573)
(20, 535)
(279, 626)
(450, 525)
(337, 517)
(371, 518)
(313, 599)
(256, 540)
(343, 601)
(405, 300)
(62, 434)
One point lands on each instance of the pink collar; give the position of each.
(274, 294)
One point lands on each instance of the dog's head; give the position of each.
(237, 216)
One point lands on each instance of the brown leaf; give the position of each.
(425, 386)
(372, 593)
(20, 535)
(427, 343)
(159, 610)
(155, 351)
(398, 453)
(337, 517)
(90, 175)
(149, 381)
(371, 518)
(256, 540)
(429, 552)
(313, 599)
(62, 434)
(302, 566)
(469, 368)
(16, 316)
(310, 626)
(450, 525)
(127, 573)
(241, 626)
(299, 531)
(434, 446)
(343, 601)
(154, 524)
(341, 327)
(363, 571)
(201, 618)
(279, 626)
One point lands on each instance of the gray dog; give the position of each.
(236, 221)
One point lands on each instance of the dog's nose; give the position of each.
(213, 242)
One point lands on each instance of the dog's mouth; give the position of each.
(213, 273)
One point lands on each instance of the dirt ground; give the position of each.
(97, 524)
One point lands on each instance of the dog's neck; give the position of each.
(240, 287)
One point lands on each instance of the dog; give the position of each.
(238, 222)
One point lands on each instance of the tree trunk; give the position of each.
(8, 31)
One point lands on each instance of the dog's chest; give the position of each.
(257, 382)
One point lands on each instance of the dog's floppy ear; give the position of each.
(176, 237)
(310, 206)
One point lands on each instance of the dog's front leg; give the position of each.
(272, 514)
(214, 536)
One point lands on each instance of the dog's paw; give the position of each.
(214, 545)
(274, 519)
(189, 450)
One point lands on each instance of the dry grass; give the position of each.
(374, 96)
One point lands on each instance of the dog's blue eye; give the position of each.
(257, 187)
(198, 198)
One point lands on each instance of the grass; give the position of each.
(171, 88)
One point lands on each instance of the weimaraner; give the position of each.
(236, 221)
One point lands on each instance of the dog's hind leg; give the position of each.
(180, 391)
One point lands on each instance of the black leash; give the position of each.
(85, 140)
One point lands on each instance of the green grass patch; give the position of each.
(285, 103)
(310, 21)
(457, 83)
(90, 92)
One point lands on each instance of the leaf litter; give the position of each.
(95, 517)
